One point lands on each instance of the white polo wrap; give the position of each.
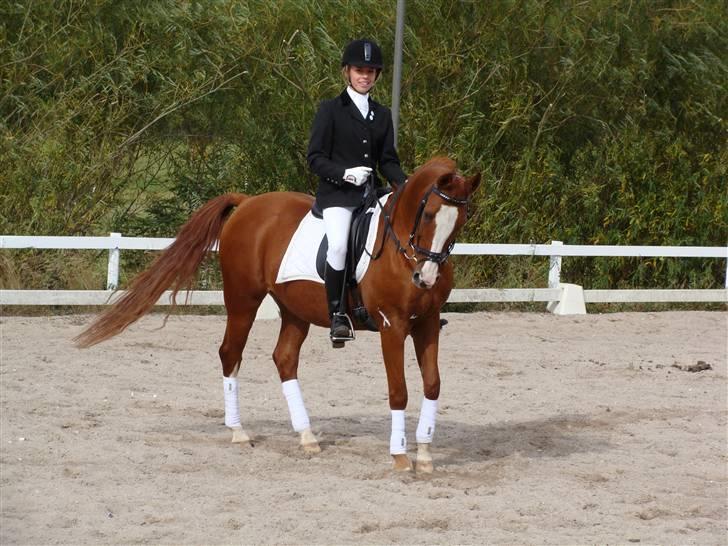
(299, 416)
(232, 406)
(426, 425)
(398, 440)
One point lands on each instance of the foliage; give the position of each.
(599, 122)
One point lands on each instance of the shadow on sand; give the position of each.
(460, 443)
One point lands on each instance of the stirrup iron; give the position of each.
(338, 341)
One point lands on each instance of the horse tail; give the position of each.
(175, 267)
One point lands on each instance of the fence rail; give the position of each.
(556, 250)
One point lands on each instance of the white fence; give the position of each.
(554, 293)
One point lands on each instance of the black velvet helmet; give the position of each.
(363, 53)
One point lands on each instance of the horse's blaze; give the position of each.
(444, 224)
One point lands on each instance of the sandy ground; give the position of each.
(552, 430)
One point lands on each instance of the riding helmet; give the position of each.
(363, 53)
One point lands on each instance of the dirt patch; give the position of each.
(551, 430)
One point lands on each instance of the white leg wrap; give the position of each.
(232, 406)
(398, 440)
(426, 425)
(299, 416)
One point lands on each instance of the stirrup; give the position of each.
(338, 340)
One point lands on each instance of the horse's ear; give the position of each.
(473, 182)
(446, 181)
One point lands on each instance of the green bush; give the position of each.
(597, 122)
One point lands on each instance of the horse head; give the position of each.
(437, 202)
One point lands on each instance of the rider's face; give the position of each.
(362, 78)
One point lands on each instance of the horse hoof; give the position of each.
(309, 442)
(401, 463)
(240, 436)
(424, 459)
(311, 448)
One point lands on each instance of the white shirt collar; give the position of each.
(361, 101)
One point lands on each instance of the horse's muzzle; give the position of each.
(426, 274)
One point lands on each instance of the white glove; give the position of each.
(357, 175)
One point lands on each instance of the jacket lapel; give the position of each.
(352, 109)
(372, 115)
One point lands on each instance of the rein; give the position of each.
(437, 257)
(388, 224)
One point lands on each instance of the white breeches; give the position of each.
(337, 222)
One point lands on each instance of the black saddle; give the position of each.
(360, 222)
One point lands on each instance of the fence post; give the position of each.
(554, 274)
(555, 267)
(726, 269)
(112, 273)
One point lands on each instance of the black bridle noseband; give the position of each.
(429, 256)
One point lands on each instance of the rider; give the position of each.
(350, 137)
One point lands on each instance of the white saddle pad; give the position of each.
(299, 261)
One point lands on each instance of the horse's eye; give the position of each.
(429, 217)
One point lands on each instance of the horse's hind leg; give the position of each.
(238, 327)
(293, 333)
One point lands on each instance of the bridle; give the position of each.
(437, 257)
(418, 253)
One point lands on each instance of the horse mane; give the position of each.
(423, 177)
(434, 168)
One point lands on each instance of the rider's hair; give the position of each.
(345, 74)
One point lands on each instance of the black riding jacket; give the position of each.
(341, 139)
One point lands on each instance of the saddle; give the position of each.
(360, 220)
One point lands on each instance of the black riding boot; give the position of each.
(341, 328)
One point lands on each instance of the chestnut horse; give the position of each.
(403, 290)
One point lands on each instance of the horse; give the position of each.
(403, 290)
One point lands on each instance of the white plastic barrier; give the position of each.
(562, 298)
(267, 310)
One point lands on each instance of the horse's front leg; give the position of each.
(426, 337)
(392, 338)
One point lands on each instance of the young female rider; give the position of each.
(351, 136)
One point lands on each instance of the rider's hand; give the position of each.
(357, 175)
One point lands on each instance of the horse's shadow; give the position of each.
(547, 437)
(459, 443)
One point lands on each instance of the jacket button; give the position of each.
(366, 155)
(364, 141)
